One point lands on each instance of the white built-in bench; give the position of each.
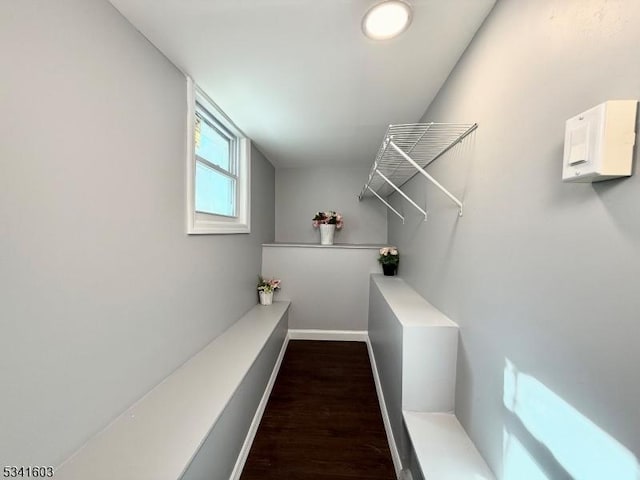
(207, 405)
(415, 348)
(443, 449)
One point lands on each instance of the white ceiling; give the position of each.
(300, 78)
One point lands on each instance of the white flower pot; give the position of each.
(266, 298)
(326, 234)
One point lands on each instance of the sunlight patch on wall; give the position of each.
(582, 449)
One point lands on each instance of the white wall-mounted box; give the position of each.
(598, 144)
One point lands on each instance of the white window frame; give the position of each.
(199, 223)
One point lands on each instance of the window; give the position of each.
(218, 169)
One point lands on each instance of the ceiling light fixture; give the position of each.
(386, 20)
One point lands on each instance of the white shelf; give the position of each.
(406, 150)
(317, 245)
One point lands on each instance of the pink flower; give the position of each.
(328, 218)
(393, 251)
(384, 251)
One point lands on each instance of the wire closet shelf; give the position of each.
(406, 150)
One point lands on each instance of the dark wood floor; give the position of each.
(323, 419)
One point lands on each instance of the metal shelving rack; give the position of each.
(407, 149)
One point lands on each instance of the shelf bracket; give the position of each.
(385, 202)
(406, 197)
(425, 174)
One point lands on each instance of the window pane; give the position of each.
(211, 144)
(215, 192)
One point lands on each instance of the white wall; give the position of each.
(102, 294)
(301, 192)
(328, 286)
(537, 273)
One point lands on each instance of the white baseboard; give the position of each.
(253, 429)
(339, 335)
(395, 454)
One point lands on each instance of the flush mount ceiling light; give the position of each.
(386, 20)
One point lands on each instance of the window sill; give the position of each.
(220, 229)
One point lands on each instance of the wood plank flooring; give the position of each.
(323, 419)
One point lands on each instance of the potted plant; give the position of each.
(266, 287)
(389, 259)
(327, 222)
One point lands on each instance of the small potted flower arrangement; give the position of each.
(266, 287)
(328, 222)
(389, 259)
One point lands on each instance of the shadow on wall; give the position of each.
(442, 221)
(545, 438)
